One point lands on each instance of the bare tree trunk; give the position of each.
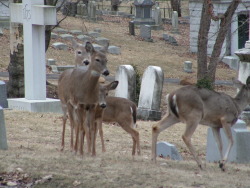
(202, 42)
(15, 85)
(176, 6)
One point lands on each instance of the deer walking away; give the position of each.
(192, 106)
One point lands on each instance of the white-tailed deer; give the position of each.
(122, 111)
(193, 106)
(80, 90)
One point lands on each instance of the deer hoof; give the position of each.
(222, 166)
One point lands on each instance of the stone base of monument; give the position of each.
(165, 149)
(144, 21)
(240, 152)
(147, 114)
(48, 105)
(3, 138)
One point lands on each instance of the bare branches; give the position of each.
(1, 2)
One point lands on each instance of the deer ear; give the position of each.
(248, 81)
(113, 85)
(89, 47)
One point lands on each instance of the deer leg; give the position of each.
(190, 128)
(87, 131)
(64, 109)
(91, 122)
(99, 125)
(164, 123)
(217, 136)
(71, 119)
(227, 129)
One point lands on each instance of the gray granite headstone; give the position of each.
(3, 137)
(60, 46)
(102, 41)
(240, 152)
(188, 66)
(94, 34)
(150, 94)
(84, 38)
(131, 28)
(51, 62)
(145, 32)
(175, 24)
(125, 74)
(114, 50)
(67, 36)
(3, 95)
(165, 149)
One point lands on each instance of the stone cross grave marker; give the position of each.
(150, 94)
(3, 139)
(125, 74)
(34, 15)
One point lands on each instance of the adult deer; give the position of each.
(193, 106)
(122, 111)
(80, 90)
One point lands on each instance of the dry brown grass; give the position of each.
(34, 138)
(34, 143)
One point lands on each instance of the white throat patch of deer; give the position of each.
(193, 106)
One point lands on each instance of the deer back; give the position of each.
(119, 110)
(214, 106)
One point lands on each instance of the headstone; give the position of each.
(75, 32)
(143, 12)
(34, 16)
(97, 47)
(125, 74)
(94, 34)
(165, 36)
(114, 50)
(150, 94)
(102, 41)
(67, 37)
(3, 95)
(175, 24)
(3, 138)
(131, 28)
(240, 152)
(54, 36)
(51, 62)
(60, 46)
(157, 16)
(84, 38)
(60, 30)
(172, 40)
(1, 32)
(98, 30)
(167, 150)
(188, 66)
(145, 32)
(232, 62)
(92, 10)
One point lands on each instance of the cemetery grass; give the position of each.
(34, 153)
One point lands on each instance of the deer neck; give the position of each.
(241, 99)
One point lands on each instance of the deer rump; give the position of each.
(208, 106)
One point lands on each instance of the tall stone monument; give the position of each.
(143, 12)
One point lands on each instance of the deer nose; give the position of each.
(103, 105)
(86, 62)
(106, 73)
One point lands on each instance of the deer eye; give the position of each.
(98, 60)
(79, 52)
